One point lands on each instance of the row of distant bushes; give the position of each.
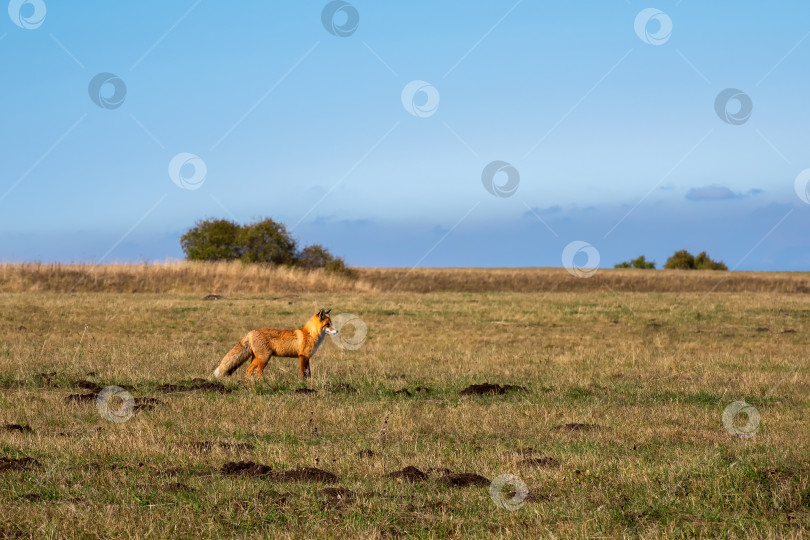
(265, 241)
(680, 260)
(268, 241)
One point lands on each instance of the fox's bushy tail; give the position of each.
(237, 356)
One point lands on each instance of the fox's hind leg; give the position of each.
(253, 365)
(258, 364)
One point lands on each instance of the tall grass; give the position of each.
(176, 277)
(236, 277)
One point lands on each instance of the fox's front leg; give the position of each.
(303, 363)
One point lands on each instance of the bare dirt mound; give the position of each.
(306, 474)
(140, 403)
(490, 389)
(17, 427)
(336, 496)
(21, 464)
(408, 474)
(463, 480)
(245, 468)
(194, 385)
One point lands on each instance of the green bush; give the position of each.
(683, 260)
(317, 256)
(639, 262)
(212, 240)
(265, 241)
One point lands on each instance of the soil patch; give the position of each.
(245, 468)
(305, 391)
(336, 496)
(408, 474)
(492, 389)
(17, 427)
(194, 384)
(307, 474)
(140, 403)
(81, 398)
(21, 464)
(88, 385)
(463, 480)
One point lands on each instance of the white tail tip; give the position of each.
(216, 373)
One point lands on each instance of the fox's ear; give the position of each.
(328, 311)
(321, 314)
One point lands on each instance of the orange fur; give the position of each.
(259, 345)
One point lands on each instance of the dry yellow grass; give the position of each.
(651, 371)
(175, 277)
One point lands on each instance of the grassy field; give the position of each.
(619, 431)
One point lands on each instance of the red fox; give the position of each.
(263, 343)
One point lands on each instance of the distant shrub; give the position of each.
(683, 260)
(266, 241)
(317, 256)
(212, 240)
(638, 262)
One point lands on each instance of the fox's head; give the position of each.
(324, 322)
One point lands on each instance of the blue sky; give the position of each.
(616, 140)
